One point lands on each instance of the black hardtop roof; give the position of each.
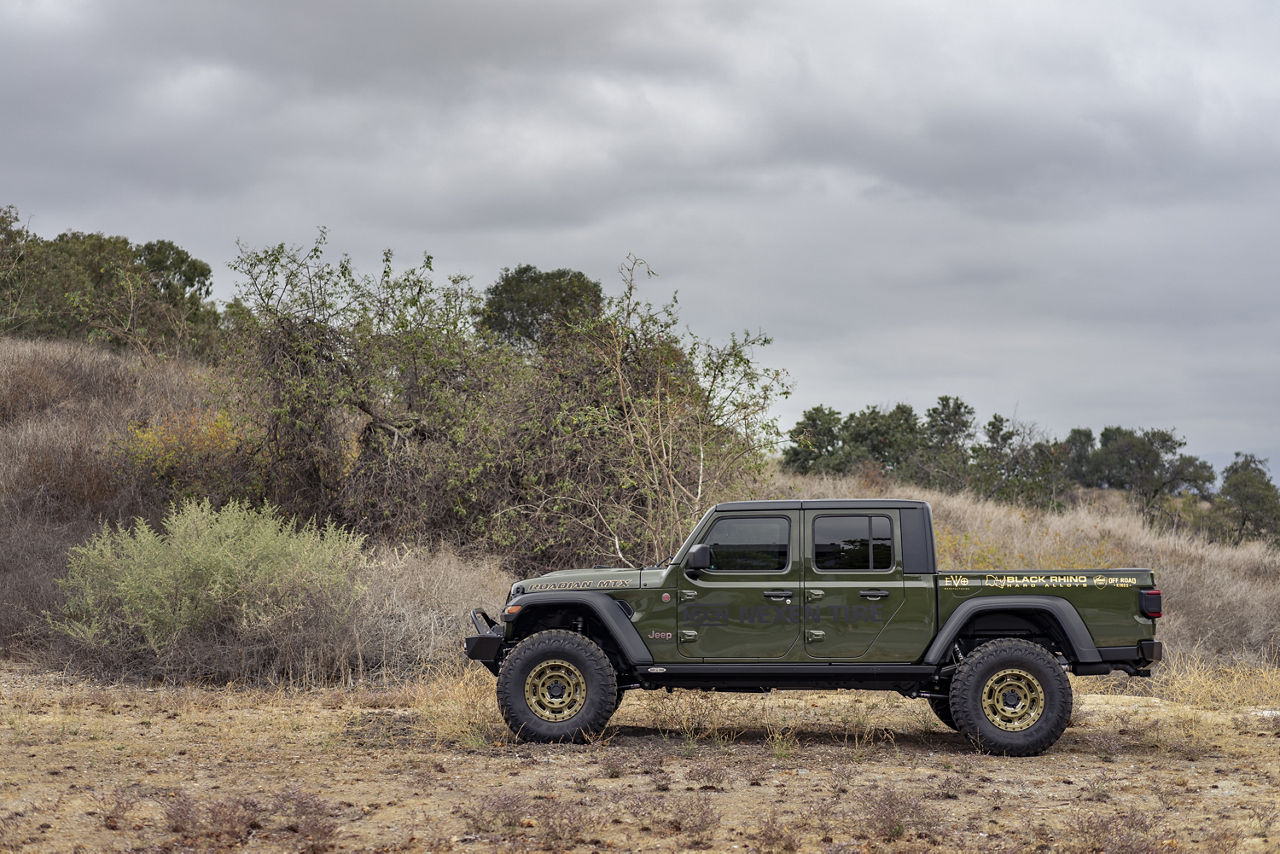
(825, 504)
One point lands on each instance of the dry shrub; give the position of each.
(891, 815)
(1132, 831)
(217, 593)
(232, 820)
(416, 605)
(456, 706)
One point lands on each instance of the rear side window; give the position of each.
(853, 543)
(758, 544)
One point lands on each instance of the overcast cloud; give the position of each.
(1063, 211)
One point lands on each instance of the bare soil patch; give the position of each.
(429, 766)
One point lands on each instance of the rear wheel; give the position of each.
(942, 708)
(557, 686)
(1011, 696)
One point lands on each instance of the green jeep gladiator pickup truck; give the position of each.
(818, 594)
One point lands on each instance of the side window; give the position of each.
(760, 544)
(853, 543)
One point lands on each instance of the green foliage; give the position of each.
(382, 402)
(647, 421)
(228, 592)
(1249, 502)
(527, 307)
(1013, 464)
(1009, 462)
(92, 287)
(816, 443)
(1146, 464)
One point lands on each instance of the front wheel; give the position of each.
(557, 686)
(1011, 696)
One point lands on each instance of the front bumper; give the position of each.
(486, 644)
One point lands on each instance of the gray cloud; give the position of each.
(1060, 208)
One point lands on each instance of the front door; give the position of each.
(748, 604)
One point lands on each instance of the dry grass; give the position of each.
(1196, 679)
(71, 418)
(417, 605)
(428, 765)
(62, 405)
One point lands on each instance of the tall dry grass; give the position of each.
(417, 604)
(1219, 601)
(62, 406)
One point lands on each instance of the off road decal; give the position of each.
(1104, 580)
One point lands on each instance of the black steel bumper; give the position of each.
(1134, 660)
(486, 644)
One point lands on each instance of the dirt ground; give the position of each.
(429, 767)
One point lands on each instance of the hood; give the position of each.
(600, 578)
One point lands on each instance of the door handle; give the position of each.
(873, 594)
(779, 594)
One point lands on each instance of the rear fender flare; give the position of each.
(1059, 609)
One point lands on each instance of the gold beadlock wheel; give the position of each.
(555, 690)
(1011, 696)
(557, 685)
(1013, 699)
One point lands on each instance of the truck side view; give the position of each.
(825, 594)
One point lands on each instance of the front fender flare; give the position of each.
(611, 616)
(1062, 611)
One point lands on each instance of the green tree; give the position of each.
(103, 288)
(1014, 464)
(891, 439)
(527, 307)
(1248, 500)
(381, 402)
(1078, 448)
(1147, 464)
(816, 441)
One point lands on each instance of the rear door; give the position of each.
(853, 584)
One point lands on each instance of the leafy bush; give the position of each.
(234, 592)
(382, 404)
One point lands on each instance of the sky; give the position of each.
(1064, 212)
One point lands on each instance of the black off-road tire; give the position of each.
(557, 686)
(942, 708)
(1011, 696)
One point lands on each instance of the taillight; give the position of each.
(1150, 604)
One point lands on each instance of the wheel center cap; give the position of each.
(1011, 699)
(556, 690)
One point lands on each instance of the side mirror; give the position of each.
(697, 560)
